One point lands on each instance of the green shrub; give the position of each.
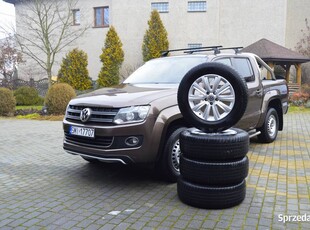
(74, 71)
(58, 97)
(26, 95)
(7, 102)
(40, 101)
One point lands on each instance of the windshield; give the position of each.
(164, 70)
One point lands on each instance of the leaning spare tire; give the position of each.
(212, 97)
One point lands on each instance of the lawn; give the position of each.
(21, 107)
(296, 109)
(35, 115)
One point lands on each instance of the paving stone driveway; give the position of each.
(42, 187)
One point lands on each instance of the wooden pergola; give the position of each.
(274, 54)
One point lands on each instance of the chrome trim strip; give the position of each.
(74, 110)
(107, 120)
(109, 160)
(103, 113)
(254, 134)
(103, 120)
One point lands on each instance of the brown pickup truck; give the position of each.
(140, 120)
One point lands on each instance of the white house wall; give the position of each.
(297, 11)
(226, 22)
(244, 22)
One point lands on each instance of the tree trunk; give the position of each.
(49, 76)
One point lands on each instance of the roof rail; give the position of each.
(217, 50)
(237, 49)
(166, 52)
(200, 50)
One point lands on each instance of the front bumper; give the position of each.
(110, 144)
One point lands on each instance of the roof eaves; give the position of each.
(285, 60)
(11, 1)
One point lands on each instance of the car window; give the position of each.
(225, 61)
(244, 68)
(242, 65)
(164, 70)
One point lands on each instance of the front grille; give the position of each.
(98, 114)
(97, 142)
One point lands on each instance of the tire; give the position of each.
(170, 159)
(214, 173)
(210, 197)
(269, 130)
(225, 146)
(208, 94)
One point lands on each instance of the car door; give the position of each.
(244, 67)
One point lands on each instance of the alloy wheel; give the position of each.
(211, 97)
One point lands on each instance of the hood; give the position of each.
(125, 95)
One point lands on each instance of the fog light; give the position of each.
(132, 141)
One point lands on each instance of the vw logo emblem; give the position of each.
(85, 114)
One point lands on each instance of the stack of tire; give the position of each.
(213, 163)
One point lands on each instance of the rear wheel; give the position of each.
(269, 130)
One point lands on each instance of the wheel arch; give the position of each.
(276, 104)
(173, 124)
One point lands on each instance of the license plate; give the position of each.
(81, 131)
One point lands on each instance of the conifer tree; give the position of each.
(155, 38)
(112, 58)
(74, 70)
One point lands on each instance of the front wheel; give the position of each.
(170, 160)
(269, 130)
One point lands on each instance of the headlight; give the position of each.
(131, 114)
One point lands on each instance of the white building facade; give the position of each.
(189, 23)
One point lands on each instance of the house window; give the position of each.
(194, 45)
(197, 6)
(161, 7)
(101, 16)
(76, 17)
